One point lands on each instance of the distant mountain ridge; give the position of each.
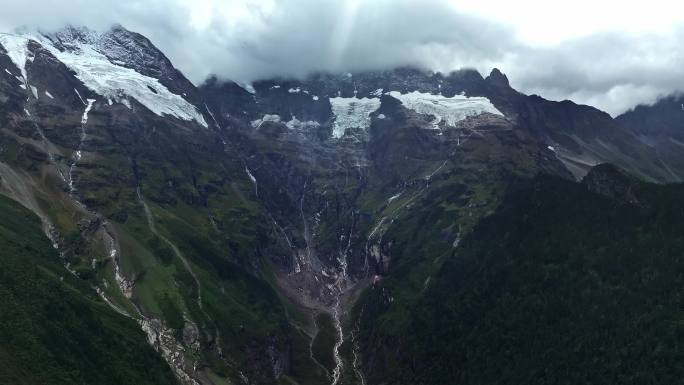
(660, 126)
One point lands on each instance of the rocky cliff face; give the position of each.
(228, 219)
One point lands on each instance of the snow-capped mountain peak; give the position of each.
(113, 64)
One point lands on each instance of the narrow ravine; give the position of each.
(254, 181)
(339, 362)
(78, 154)
(159, 336)
(297, 260)
(436, 170)
(153, 228)
(306, 234)
(341, 284)
(369, 245)
(356, 348)
(124, 284)
(28, 108)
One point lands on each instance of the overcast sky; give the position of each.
(609, 54)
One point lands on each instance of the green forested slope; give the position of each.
(53, 328)
(560, 286)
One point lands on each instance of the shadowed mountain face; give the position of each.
(661, 119)
(273, 233)
(660, 126)
(564, 283)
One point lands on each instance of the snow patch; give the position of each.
(17, 50)
(78, 155)
(294, 90)
(34, 91)
(551, 148)
(80, 97)
(251, 177)
(49, 95)
(267, 118)
(296, 124)
(315, 98)
(377, 93)
(352, 113)
(393, 197)
(248, 87)
(212, 115)
(448, 110)
(84, 118)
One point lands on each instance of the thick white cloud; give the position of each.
(603, 53)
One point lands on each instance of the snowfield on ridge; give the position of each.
(105, 78)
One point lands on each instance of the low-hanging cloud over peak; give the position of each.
(613, 68)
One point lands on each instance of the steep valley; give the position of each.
(311, 231)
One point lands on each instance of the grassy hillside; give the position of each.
(53, 328)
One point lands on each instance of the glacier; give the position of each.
(104, 77)
(352, 113)
(449, 110)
